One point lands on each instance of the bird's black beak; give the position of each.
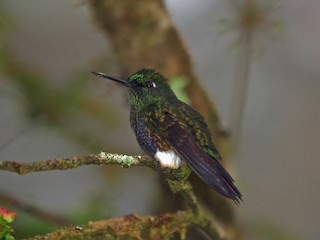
(123, 82)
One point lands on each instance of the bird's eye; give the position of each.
(150, 85)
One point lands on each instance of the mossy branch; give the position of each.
(77, 161)
(132, 226)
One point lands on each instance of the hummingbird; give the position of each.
(172, 132)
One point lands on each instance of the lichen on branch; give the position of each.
(77, 161)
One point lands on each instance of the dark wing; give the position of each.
(181, 134)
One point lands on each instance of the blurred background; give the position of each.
(276, 159)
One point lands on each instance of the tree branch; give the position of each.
(77, 161)
(161, 227)
(130, 227)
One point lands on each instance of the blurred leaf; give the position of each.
(95, 208)
(28, 226)
(178, 85)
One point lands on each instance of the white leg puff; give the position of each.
(168, 159)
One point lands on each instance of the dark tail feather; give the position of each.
(206, 167)
(236, 194)
(211, 172)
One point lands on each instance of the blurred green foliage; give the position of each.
(178, 85)
(95, 208)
